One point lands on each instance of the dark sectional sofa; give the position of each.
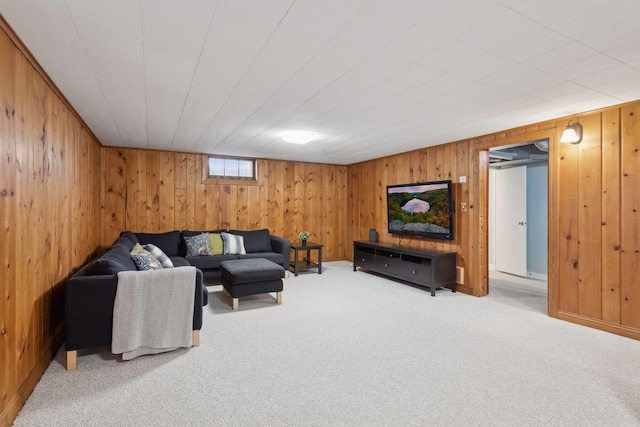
(258, 244)
(90, 292)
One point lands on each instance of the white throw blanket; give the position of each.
(153, 311)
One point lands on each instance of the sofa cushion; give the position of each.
(209, 262)
(216, 244)
(179, 261)
(131, 236)
(123, 242)
(145, 261)
(136, 249)
(189, 233)
(116, 259)
(233, 244)
(157, 253)
(198, 245)
(255, 240)
(170, 242)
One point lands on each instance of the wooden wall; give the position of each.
(50, 217)
(594, 225)
(154, 191)
(367, 204)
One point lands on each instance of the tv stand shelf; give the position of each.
(431, 269)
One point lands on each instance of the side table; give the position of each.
(306, 262)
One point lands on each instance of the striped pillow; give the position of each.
(159, 255)
(233, 244)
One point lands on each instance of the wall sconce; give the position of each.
(572, 134)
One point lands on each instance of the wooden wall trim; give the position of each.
(4, 25)
(602, 325)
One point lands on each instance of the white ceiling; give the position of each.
(370, 77)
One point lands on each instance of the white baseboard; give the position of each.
(537, 276)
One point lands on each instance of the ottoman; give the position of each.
(242, 277)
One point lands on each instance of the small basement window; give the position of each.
(231, 168)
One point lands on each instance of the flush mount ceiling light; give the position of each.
(572, 134)
(298, 136)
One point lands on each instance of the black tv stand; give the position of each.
(431, 269)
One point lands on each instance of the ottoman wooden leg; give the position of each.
(279, 297)
(234, 305)
(196, 338)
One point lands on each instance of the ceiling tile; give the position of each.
(372, 30)
(325, 18)
(553, 11)
(415, 43)
(520, 49)
(602, 16)
(465, 60)
(167, 80)
(600, 78)
(274, 10)
(500, 29)
(415, 75)
(176, 28)
(457, 17)
(412, 11)
(560, 57)
(223, 64)
(585, 67)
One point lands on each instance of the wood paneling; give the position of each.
(630, 218)
(63, 198)
(49, 203)
(167, 186)
(594, 225)
(610, 256)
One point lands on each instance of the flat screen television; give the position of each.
(423, 209)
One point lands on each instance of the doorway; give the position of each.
(518, 225)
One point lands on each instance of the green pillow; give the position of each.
(216, 244)
(136, 249)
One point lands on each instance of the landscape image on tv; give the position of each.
(422, 208)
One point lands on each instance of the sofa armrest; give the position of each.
(201, 299)
(282, 246)
(89, 304)
(89, 311)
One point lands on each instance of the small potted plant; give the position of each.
(304, 236)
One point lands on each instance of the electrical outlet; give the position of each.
(463, 206)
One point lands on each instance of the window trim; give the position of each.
(215, 179)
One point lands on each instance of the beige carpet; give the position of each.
(351, 348)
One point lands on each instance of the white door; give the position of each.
(511, 220)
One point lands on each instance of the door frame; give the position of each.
(479, 206)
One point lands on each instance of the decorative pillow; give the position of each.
(255, 240)
(136, 249)
(145, 261)
(157, 253)
(233, 245)
(198, 245)
(216, 243)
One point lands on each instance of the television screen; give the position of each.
(423, 209)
